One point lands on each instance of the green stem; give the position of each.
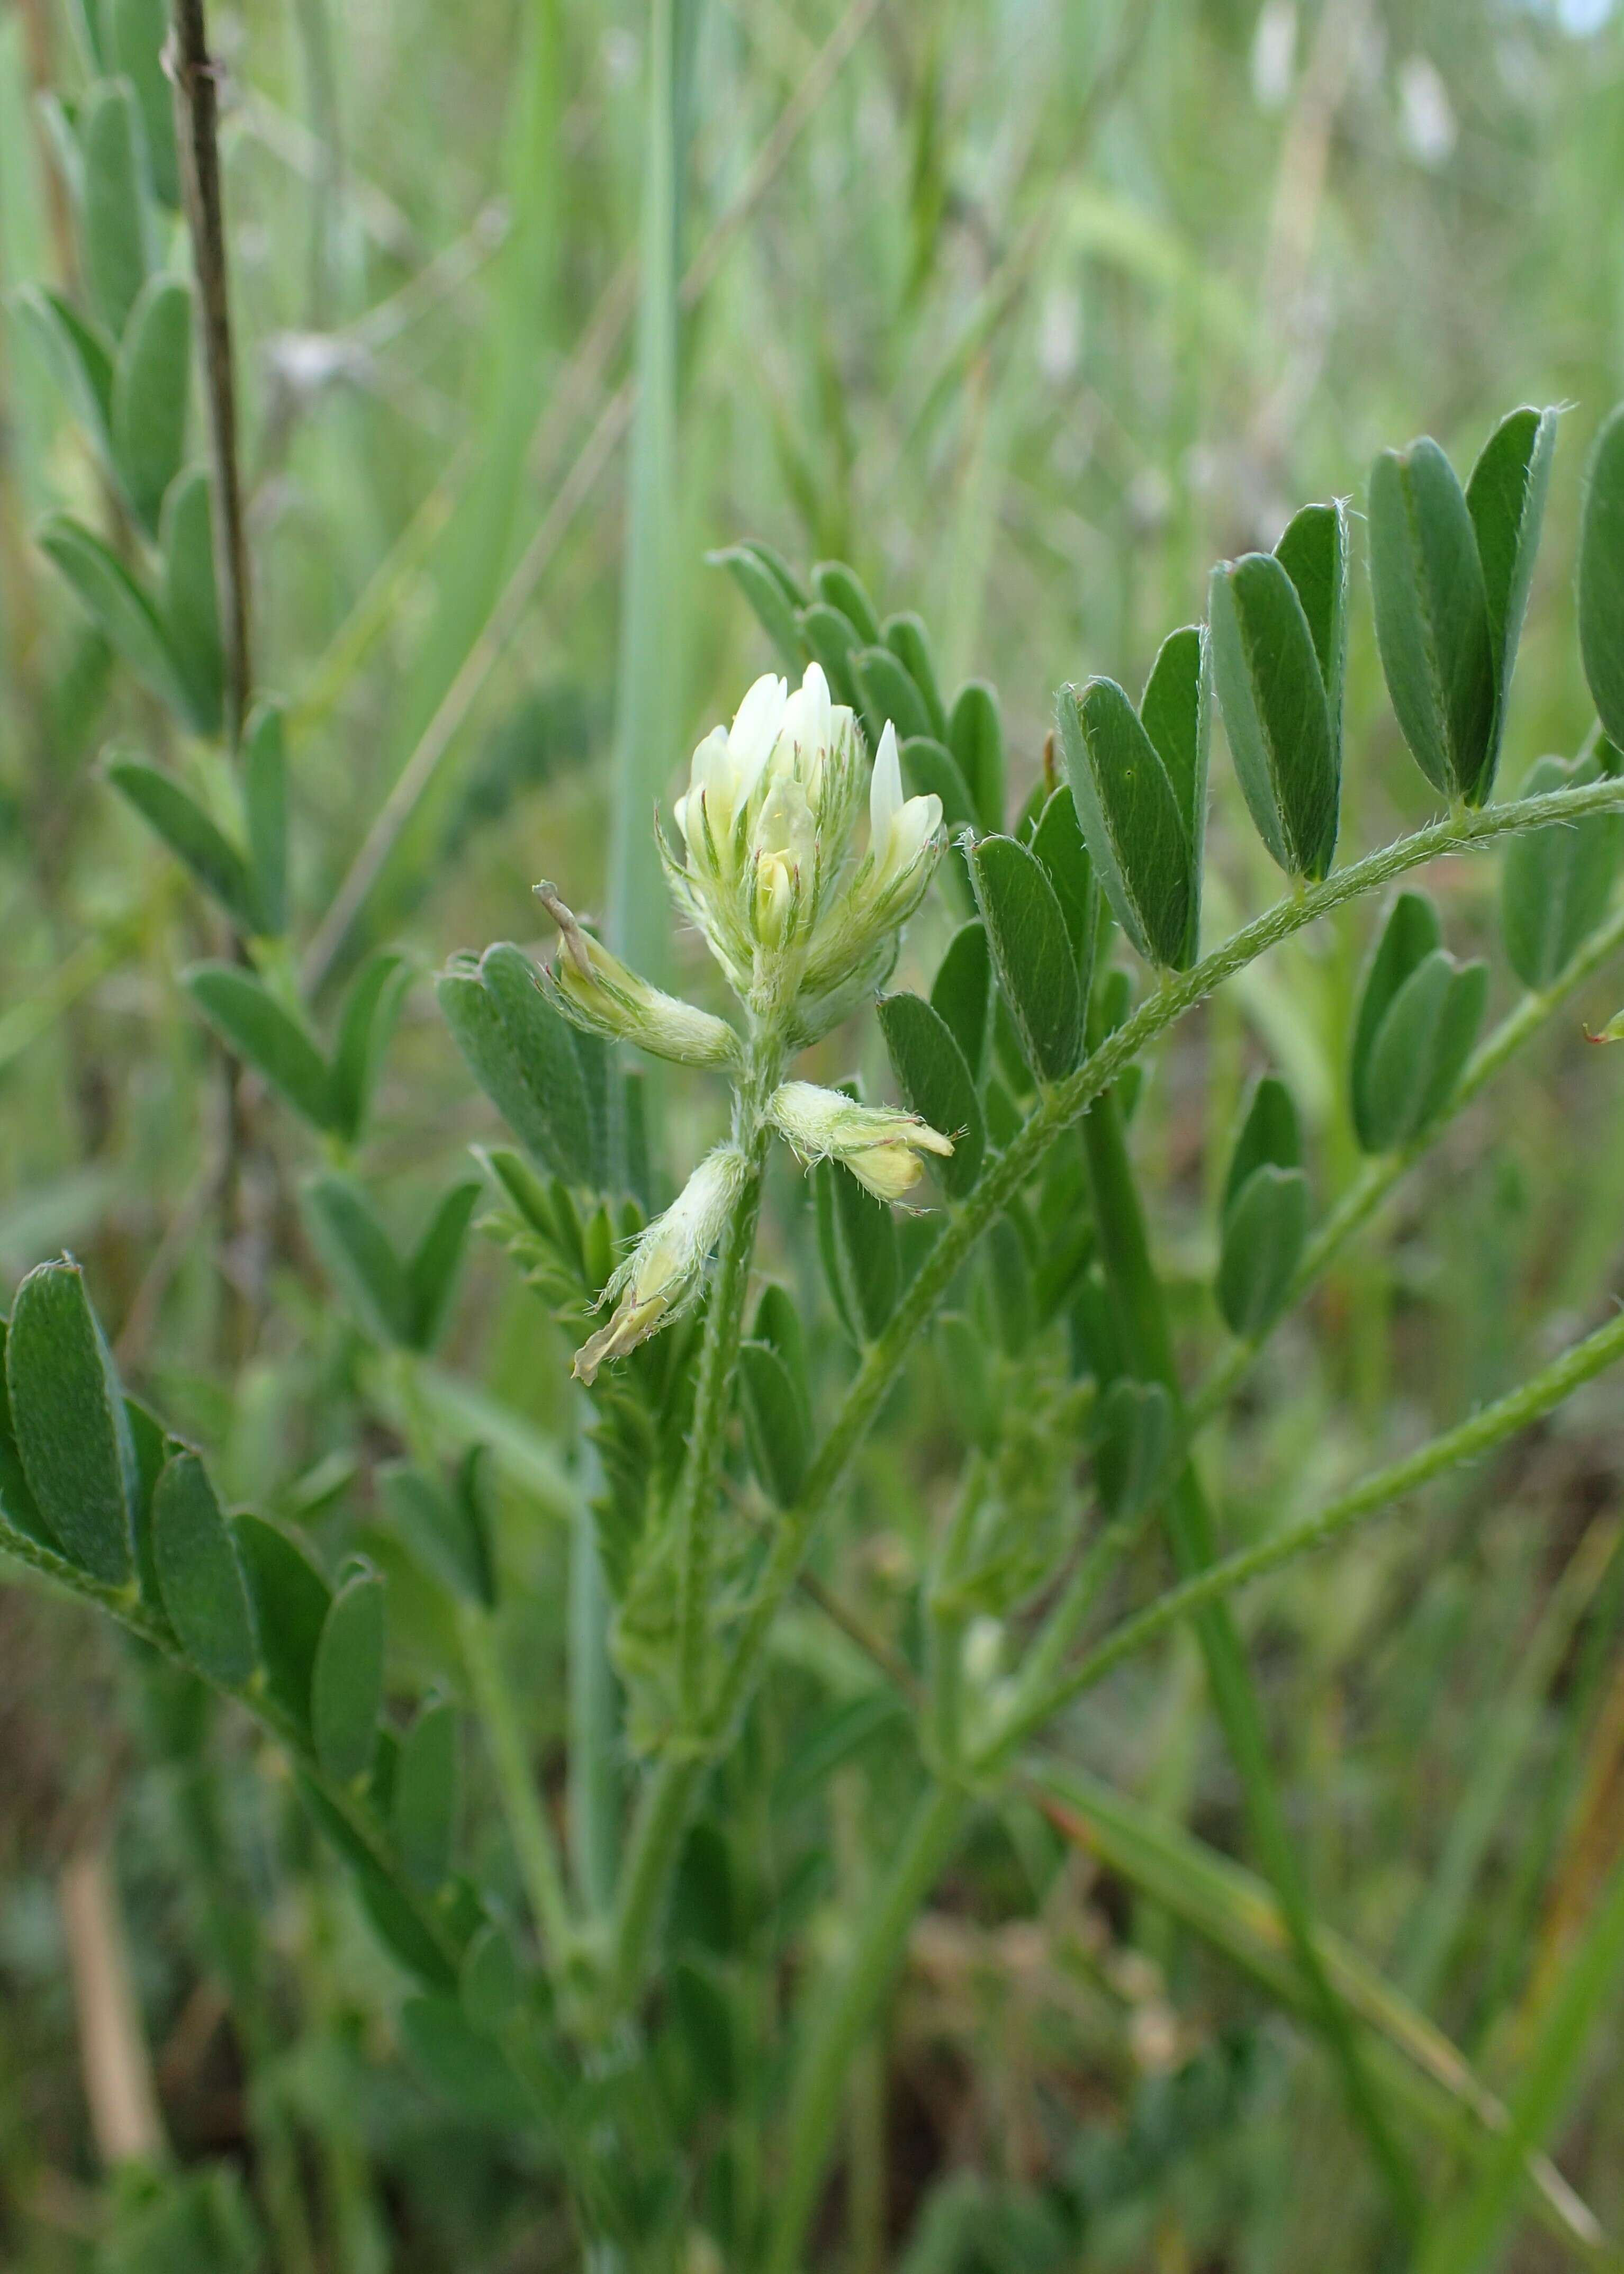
(534, 1846)
(1528, 1402)
(845, 2019)
(1059, 1105)
(713, 1399)
(1147, 1345)
(656, 1834)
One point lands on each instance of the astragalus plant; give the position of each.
(630, 1982)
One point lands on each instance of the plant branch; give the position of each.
(195, 77)
(1533, 1399)
(535, 1847)
(663, 1808)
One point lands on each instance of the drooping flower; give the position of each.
(882, 1146)
(595, 990)
(666, 1269)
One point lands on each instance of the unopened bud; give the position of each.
(666, 1269)
(600, 992)
(882, 1146)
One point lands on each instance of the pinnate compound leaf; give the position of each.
(961, 993)
(200, 1580)
(346, 1690)
(116, 241)
(1556, 884)
(190, 598)
(976, 737)
(151, 391)
(118, 607)
(68, 1416)
(359, 1256)
(1601, 578)
(265, 811)
(1265, 1230)
(937, 1084)
(289, 1598)
(1432, 626)
(1031, 953)
(773, 601)
(522, 1054)
(173, 814)
(424, 1809)
(1266, 670)
(247, 1016)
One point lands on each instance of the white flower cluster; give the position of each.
(803, 924)
(799, 922)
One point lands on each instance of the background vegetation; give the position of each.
(1031, 312)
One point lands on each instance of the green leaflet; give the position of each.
(365, 1027)
(1140, 786)
(346, 1690)
(777, 1398)
(151, 389)
(839, 587)
(119, 608)
(199, 1577)
(431, 1274)
(937, 1084)
(1601, 578)
(1276, 708)
(134, 32)
(908, 641)
(68, 1417)
(359, 1255)
(1132, 1443)
(1432, 624)
(829, 636)
(1556, 884)
(1058, 848)
(976, 737)
(289, 1598)
(250, 1020)
(117, 247)
(1506, 497)
(888, 693)
(190, 598)
(76, 355)
(961, 993)
(929, 765)
(424, 1808)
(489, 1983)
(767, 584)
(524, 1056)
(1031, 953)
(173, 814)
(465, 2064)
(1265, 1212)
(443, 1526)
(1414, 1032)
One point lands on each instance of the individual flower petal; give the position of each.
(754, 730)
(884, 790)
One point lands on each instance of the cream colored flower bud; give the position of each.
(880, 1145)
(666, 1269)
(600, 992)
